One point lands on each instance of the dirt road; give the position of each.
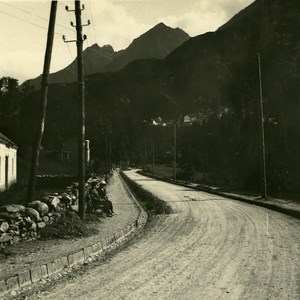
(209, 248)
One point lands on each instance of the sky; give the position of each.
(23, 27)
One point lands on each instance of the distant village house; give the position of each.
(8, 162)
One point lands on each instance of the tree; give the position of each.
(9, 107)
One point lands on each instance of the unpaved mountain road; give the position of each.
(209, 248)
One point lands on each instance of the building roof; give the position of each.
(7, 142)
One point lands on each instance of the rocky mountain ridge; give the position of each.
(157, 42)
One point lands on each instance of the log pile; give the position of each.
(19, 223)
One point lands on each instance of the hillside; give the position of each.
(214, 75)
(223, 65)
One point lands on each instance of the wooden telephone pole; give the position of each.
(106, 132)
(81, 89)
(153, 153)
(175, 152)
(43, 107)
(264, 193)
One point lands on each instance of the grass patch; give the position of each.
(152, 204)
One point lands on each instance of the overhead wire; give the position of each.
(93, 23)
(70, 19)
(88, 28)
(39, 26)
(35, 15)
(26, 21)
(73, 30)
(72, 58)
(87, 40)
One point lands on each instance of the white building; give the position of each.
(187, 119)
(8, 162)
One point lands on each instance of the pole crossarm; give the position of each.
(74, 10)
(69, 41)
(74, 41)
(75, 25)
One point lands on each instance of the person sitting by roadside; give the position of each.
(75, 192)
(96, 201)
(102, 194)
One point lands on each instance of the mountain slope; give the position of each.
(94, 57)
(157, 42)
(222, 66)
(215, 75)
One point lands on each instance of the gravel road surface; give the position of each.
(209, 248)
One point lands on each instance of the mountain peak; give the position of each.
(161, 25)
(161, 29)
(157, 42)
(95, 46)
(106, 48)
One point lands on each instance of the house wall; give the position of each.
(11, 153)
(69, 151)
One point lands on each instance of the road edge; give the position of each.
(258, 201)
(27, 277)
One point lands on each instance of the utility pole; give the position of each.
(81, 90)
(175, 151)
(106, 155)
(145, 153)
(43, 107)
(144, 150)
(106, 131)
(153, 154)
(262, 134)
(110, 165)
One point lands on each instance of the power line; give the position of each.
(39, 26)
(70, 19)
(21, 9)
(88, 26)
(87, 42)
(72, 24)
(37, 16)
(26, 21)
(93, 23)
(61, 4)
(70, 52)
